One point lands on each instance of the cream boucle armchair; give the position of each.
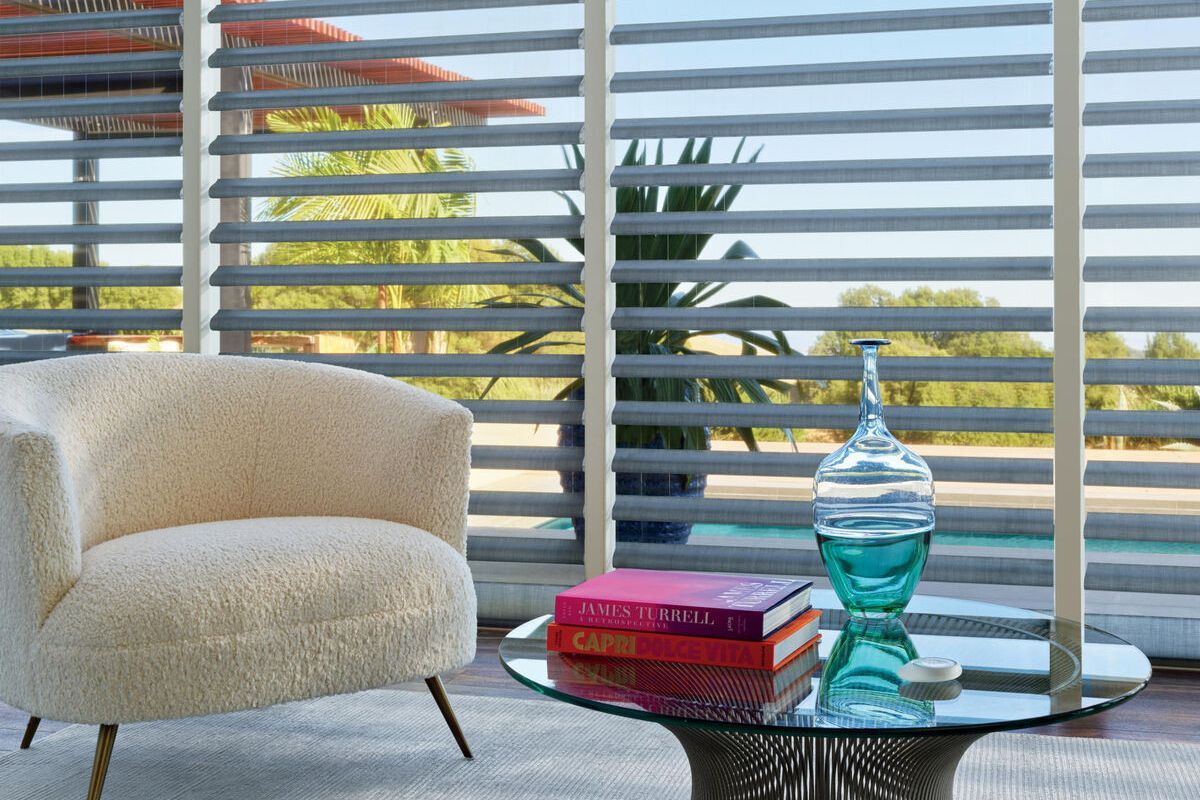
(185, 535)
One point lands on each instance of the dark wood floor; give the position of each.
(1169, 710)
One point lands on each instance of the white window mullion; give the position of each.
(201, 213)
(599, 339)
(1069, 457)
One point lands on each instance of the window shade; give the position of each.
(879, 165)
(89, 200)
(381, 163)
(1143, 287)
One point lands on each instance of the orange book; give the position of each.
(767, 654)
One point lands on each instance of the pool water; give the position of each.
(939, 538)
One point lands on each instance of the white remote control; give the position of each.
(930, 669)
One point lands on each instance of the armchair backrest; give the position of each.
(158, 440)
(147, 441)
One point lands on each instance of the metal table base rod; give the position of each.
(748, 766)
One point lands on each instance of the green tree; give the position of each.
(372, 207)
(939, 343)
(58, 297)
(1172, 345)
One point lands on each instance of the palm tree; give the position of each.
(388, 206)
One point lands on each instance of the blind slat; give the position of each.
(398, 229)
(89, 191)
(902, 418)
(91, 276)
(1141, 165)
(112, 105)
(127, 233)
(534, 458)
(909, 19)
(1142, 372)
(1126, 10)
(821, 368)
(837, 319)
(1142, 216)
(526, 134)
(409, 319)
(1117, 269)
(1158, 59)
(92, 319)
(138, 147)
(920, 69)
(803, 465)
(1148, 319)
(409, 365)
(416, 183)
(1150, 475)
(1142, 112)
(525, 504)
(830, 122)
(378, 94)
(308, 9)
(838, 269)
(151, 61)
(98, 21)
(788, 513)
(858, 171)
(533, 412)
(1162, 424)
(433, 274)
(425, 47)
(848, 220)
(1144, 527)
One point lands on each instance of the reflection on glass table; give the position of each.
(860, 683)
(843, 721)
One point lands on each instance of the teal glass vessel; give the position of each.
(860, 685)
(873, 509)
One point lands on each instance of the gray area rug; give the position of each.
(393, 745)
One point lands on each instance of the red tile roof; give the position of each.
(268, 32)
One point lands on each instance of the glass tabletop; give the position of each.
(1019, 669)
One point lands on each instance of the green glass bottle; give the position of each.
(873, 509)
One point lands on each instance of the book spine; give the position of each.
(733, 623)
(563, 638)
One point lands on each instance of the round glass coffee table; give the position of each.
(839, 721)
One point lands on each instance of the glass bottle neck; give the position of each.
(870, 406)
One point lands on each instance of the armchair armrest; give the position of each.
(40, 550)
(341, 443)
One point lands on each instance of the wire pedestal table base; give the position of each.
(751, 766)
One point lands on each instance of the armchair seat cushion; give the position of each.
(228, 615)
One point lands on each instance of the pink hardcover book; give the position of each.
(689, 603)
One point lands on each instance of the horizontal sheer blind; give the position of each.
(401, 191)
(1143, 293)
(877, 152)
(393, 184)
(90, 179)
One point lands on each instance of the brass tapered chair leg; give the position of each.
(443, 704)
(104, 748)
(30, 730)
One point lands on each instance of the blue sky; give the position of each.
(1173, 33)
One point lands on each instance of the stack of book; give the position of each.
(726, 638)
